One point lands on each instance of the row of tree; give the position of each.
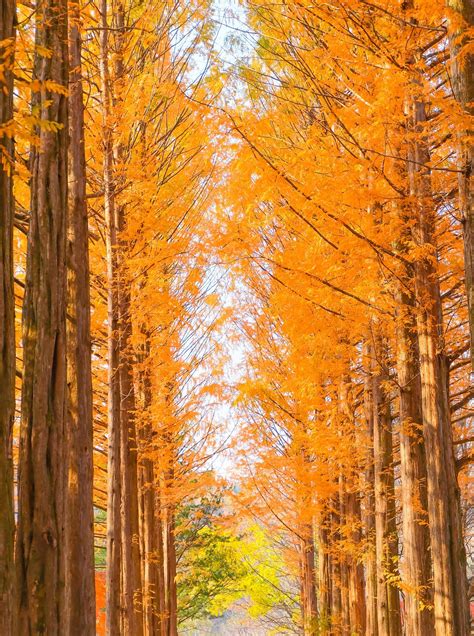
(352, 201)
(329, 171)
(105, 176)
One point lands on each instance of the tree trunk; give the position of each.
(308, 582)
(41, 501)
(386, 540)
(7, 323)
(447, 544)
(416, 544)
(148, 513)
(129, 487)
(369, 517)
(113, 588)
(357, 608)
(79, 529)
(463, 86)
(170, 570)
(130, 561)
(324, 574)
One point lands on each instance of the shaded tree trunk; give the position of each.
(42, 492)
(416, 543)
(7, 322)
(79, 529)
(113, 587)
(170, 572)
(357, 607)
(308, 581)
(369, 507)
(463, 85)
(386, 540)
(324, 573)
(447, 544)
(149, 524)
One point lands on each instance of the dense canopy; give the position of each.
(236, 317)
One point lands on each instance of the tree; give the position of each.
(41, 475)
(7, 317)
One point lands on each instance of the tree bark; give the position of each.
(357, 608)
(386, 539)
(79, 529)
(416, 541)
(113, 586)
(41, 501)
(324, 573)
(149, 538)
(7, 322)
(463, 86)
(369, 517)
(447, 543)
(308, 582)
(170, 572)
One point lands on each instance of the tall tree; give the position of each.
(462, 19)
(7, 317)
(79, 529)
(40, 547)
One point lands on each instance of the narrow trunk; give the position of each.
(160, 538)
(130, 561)
(308, 582)
(113, 404)
(463, 86)
(386, 540)
(7, 322)
(148, 513)
(344, 566)
(447, 544)
(42, 493)
(369, 504)
(353, 589)
(357, 608)
(335, 539)
(324, 574)
(416, 544)
(171, 591)
(79, 530)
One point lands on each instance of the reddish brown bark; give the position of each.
(40, 544)
(386, 539)
(7, 322)
(79, 529)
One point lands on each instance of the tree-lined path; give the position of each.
(236, 317)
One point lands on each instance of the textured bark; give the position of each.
(161, 562)
(352, 575)
(369, 517)
(343, 567)
(79, 529)
(463, 86)
(447, 544)
(41, 514)
(386, 540)
(149, 549)
(416, 543)
(308, 582)
(131, 574)
(150, 564)
(356, 582)
(132, 620)
(7, 324)
(324, 574)
(170, 573)
(113, 617)
(335, 538)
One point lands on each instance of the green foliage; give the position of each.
(219, 568)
